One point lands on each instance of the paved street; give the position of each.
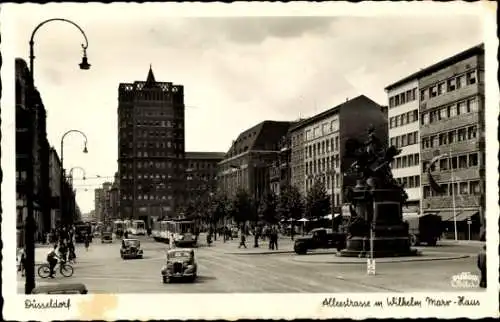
(225, 268)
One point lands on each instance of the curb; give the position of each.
(382, 260)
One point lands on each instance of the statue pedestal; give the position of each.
(380, 211)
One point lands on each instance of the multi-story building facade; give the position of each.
(324, 138)
(246, 164)
(201, 177)
(107, 210)
(404, 128)
(280, 173)
(114, 199)
(31, 121)
(452, 122)
(99, 204)
(150, 148)
(297, 155)
(55, 187)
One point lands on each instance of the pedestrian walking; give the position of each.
(22, 261)
(242, 241)
(87, 241)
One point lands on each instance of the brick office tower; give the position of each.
(150, 148)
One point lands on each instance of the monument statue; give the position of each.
(375, 202)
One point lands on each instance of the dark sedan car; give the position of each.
(131, 248)
(180, 264)
(320, 238)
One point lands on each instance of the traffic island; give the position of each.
(336, 259)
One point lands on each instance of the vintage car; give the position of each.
(106, 237)
(320, 238)
(180, 264)
(63, 288)
(131, 248)
(187, 239)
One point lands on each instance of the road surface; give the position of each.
(223, 268)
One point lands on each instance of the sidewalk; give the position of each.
(336, 259)
(461, 242)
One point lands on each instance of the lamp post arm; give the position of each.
(32, 53)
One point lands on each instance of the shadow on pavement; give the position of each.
(199, 280)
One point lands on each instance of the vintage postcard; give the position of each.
(249, 160)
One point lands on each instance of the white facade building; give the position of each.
(321, 155)
(403, 117)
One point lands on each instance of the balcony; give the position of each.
(458, 175)
(456, 148)
(450, 123)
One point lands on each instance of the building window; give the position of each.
(432, 91)
(462, 161)
(462, 135)
(391, 101)
(427, 192)
(451, 84)
(464, 188)
(443, 138)
(472, 132)
(472, 105)
(441, 88)
(454, 162)
(425, 118)
(443, 164)
(473, 160)
(475, 188)
(471, 78)
(422, 95)
(443, 113)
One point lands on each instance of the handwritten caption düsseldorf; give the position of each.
(33, 304)
(401, 301)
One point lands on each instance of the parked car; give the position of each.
(63, 288)
(320, 238)
(131, 248)
(106, 237)
(180, 264)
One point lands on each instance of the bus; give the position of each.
(138, 227)
(118, 228)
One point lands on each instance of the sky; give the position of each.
(236, 70)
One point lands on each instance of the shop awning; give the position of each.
(464, 215)
(447, 215)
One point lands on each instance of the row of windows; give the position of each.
(202, 165)
(404, 161)
(157, 165)
(297, 139)
(449, 85)
(145, 134)
(322, 165)
(322, 147)
(402, 98)
(148, 123)
(155, 154)
(472, 187)
(157, 145)
(324, 129)
(409, 182)
(139, 112)
(462, 134)
(455, 162)
(146, 197)
(403, 119)
(405, 139)
(464, 107)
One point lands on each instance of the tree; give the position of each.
(218, 209)
(318, 201)
(290, 203)
(267, 208)
(242, 207)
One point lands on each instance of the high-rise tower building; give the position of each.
(150, 148)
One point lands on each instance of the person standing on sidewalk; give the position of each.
(275, 237)
(242, 241)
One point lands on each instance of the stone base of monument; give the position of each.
(382, 247)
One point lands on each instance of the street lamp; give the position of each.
(30, 220)
(80, 168)
(61, 198)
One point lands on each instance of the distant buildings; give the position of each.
(246, 165)
(320, 139)
(201, 176)
(99, 200)
(150, 148)
(448, 100)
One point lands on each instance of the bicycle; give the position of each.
(65, 269)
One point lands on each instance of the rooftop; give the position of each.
(478, 49)
(353, 102)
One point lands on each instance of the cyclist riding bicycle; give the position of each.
(52, 259)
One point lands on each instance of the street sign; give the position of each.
(370, 267)
(469, 222)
